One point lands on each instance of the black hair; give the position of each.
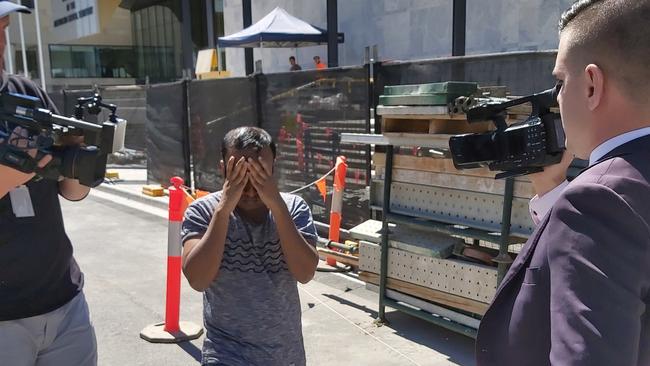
(292, 58)
(578, 7)
(614, 34)
(244, 138)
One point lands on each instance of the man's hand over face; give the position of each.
(261, 177)
(236, 180)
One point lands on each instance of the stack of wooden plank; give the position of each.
(428, 265)
(419, 266)
(425, 182)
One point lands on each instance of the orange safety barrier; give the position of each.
(340, 170)
(172, 330)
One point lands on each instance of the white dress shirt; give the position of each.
(540, 205)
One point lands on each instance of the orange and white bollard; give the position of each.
(172, 330)
(337, 203)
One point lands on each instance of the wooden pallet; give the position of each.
(437, 120)
(457, 181)
(434, 296)
(435, 165)
(427, 306)
(433, 125)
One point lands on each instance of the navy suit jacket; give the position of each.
(578, 293)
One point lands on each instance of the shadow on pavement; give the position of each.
(191, 350)
(459, 348)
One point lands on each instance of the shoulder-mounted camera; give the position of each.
(517, 149)
(49, 133)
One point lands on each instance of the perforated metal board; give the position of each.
(408, 238)
(472, 281)
(474, 209)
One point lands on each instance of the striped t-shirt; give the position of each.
(252, 310)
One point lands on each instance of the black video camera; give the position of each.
(48, 133)
(519, 149)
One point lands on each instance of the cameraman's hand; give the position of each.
(236, 180)
(552, 176)
(12, 178)
(71, 140)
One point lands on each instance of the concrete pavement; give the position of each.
(121, 245)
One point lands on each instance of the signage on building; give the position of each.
(73, 19)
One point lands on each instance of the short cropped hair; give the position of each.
(292, 58)
(615, 35)
(244, 138)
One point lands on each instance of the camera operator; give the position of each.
(579, 291)
(44, 318)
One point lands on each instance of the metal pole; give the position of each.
(383, 271)
(332, 34)
(458, 38)
(8, 53)
(247, 11)
(22, 42)
(40, 45)
(459, 28)
(503, 259)
(186, 39)
(209, 22)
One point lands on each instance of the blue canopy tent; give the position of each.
(278, 29)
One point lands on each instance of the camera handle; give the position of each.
(518, 172)
(496, 112)
(94, 105)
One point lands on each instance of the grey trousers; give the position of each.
(62, 337)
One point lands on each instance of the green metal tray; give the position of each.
(450, 87)
(426, 94)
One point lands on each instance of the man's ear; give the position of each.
(595, 86)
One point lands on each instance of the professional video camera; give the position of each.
(521, 148)
(48, 133)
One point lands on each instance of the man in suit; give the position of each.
(578, 293)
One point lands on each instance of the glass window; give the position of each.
(69, 61)
(32, 62)
(157, 41)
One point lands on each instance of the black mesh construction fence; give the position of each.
(216, 107)
(166, 132)
(306, 112)
(131, 102)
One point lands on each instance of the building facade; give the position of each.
(404, 29)
(84, 42)
(122, 42)
(111, 42)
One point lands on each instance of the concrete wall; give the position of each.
(405, 29)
